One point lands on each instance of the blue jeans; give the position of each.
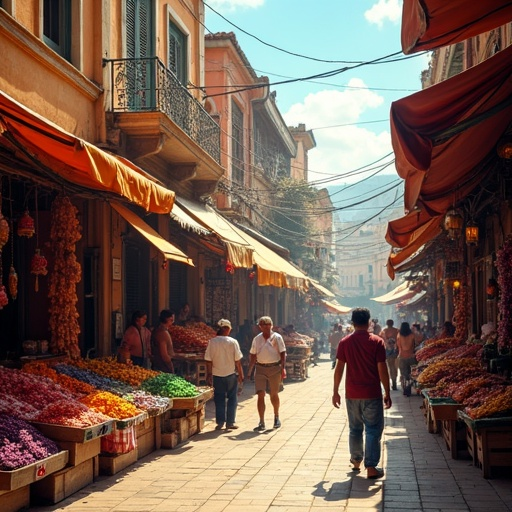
(225, 387)
(367, 415)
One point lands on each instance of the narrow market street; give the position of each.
(301, 467)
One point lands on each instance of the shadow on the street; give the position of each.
(337, 492)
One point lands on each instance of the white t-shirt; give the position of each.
(268, 351)
(223, 352)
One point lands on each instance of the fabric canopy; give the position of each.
(335, 308)
(429, 24)
(398, 294)
(187, 222)
(239, 252)
(416, 300)
(170, 251)
(245, 251)
(444, 139)
(322, 289)
(78, 161)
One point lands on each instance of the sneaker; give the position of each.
(260, 427)
(277, 423)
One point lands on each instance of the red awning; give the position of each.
(78, 161)
(444, 139)
(429, 24)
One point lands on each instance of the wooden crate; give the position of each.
(64, 483)
(445, 411)
(11, 480)
(432, 426)
(454, 434)
(146, 444)
(80, 452)
(12, 501)
(494, 448)
(112, 464)
(205, 393)
(74, 434)
(169, 440)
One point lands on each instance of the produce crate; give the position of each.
(12, 501)
(184, 426)
(80, 452)
(445, 411)
(74, 434)
(12, 480)
(112, 464)
(169, 440)
(62, 484)
(432, 426)
(205, 393)
(491, 442)
(147, 436)
(130, 422)
(454, 435)
(297, 367)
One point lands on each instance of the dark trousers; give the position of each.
(225, 388)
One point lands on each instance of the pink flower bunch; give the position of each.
(21, 444)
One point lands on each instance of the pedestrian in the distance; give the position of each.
(268, 357)
(389, 335)
(364, 356)
(225, 373)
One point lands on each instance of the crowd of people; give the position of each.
(371, 358)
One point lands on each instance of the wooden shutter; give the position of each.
(139, 29)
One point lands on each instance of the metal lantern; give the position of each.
(471, 233)
(453, 223)
(26, 225)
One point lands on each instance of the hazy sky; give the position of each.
(331, 30)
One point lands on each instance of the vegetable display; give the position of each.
(170, 385)
(192, 338)
(111, 405)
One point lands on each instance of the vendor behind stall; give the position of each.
(161, 343)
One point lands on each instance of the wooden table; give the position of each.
(192, 367)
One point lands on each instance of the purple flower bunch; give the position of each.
(22, 444)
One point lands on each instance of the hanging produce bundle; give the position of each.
(65, 232)
(21, 444)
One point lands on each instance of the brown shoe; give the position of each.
(374, 473)
(231, 427)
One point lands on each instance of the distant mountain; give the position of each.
(380, 197)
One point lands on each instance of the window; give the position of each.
(177, 62)
(139, 29)
(57, 26)
(237, 137)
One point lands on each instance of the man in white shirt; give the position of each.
(225, 356)
(268, 356)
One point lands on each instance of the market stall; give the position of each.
(298, 352)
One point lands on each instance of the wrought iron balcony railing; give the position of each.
(144, 85)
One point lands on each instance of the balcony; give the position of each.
(162, 121)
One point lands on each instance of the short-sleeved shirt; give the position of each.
(362, 351)
(223, 352)
(268, 351)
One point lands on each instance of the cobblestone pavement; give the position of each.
(301, 467)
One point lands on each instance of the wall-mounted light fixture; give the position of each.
(471, 233)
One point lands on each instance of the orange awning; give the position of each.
(78, 161)
(444, 139)
(398, 294)
(169, 251)
(429, 24)
(334, 308)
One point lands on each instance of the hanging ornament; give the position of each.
(252, 275)
(4, 230)
(3, 297)
(38, 267)
(230, 268)
(13, 283)
(26, 225)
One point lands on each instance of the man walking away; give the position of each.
(364, 356)
(225, 357)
